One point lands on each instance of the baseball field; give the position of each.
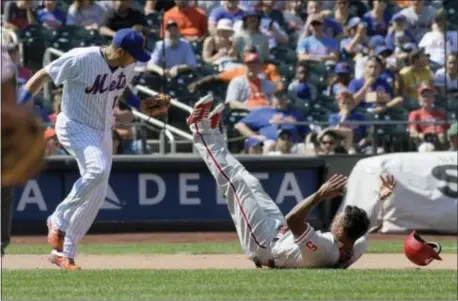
(211, 266)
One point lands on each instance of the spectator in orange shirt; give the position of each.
(192, 21)
(427, 113)
(249, 91)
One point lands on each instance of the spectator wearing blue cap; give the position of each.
(299, 90)
(341, 12)
(331, 28)
(371, 91)
(229, 9)
(341, 79)
(356, 40)
(416, 74)
(172, 55)
(347, 113)
(399, 35)
(362, 57)
(269, 12)
(248, 34)
(388, 66)
(378, 19)
(419, 17)
(50, 16)
(264, 123)
(253, 146)
(284, 143)
(318, 47)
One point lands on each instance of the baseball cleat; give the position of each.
(215, 116)
(55, 237)
(64, 263)
(201, 109)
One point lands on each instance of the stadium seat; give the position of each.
(284, 54)
(154, 20)
(151, 80)
(35, 39)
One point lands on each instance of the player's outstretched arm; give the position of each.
(295, 219)
(33, 86)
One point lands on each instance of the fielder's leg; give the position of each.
(254, 227)
(84, 216)
(77, 212)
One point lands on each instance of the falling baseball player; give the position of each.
(267, 237)
(93, 79)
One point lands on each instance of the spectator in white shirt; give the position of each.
(448, 80)
(438, 43)
(419, 17)
(85, 13)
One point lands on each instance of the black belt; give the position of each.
(271, 262)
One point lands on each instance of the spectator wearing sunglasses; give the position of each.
(318, 47)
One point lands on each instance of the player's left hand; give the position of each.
(332, 187)
(155, 105)
(387, 186)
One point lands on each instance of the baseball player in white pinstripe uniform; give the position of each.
(93, 79)
(267, 237)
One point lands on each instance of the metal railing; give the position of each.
(167, 131)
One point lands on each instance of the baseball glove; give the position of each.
(155, 105)
(23, 145)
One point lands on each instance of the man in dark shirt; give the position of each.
(124, 16)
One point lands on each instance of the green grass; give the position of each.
(229, 284)
(196, 248)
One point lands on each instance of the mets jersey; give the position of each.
(313, 249)
(91, 86)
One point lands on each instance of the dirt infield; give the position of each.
(187, 237)
(186, 261)
(230, 261)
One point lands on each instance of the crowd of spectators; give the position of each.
(304, 76)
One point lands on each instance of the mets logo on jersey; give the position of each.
(99, 84)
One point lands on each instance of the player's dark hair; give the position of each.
(355, 222)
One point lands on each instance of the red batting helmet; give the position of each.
(419, 251)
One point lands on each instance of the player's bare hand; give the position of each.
(387, 186)
(333, 187)
(155, 105)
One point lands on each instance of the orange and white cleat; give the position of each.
(201, 109)
(64, 263)
(216, 115)
(55, 237)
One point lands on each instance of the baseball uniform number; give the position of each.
(310, 245)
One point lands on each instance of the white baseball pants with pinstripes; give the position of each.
(256, 216)
(93, 151)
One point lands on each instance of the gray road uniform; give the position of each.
(260, 224)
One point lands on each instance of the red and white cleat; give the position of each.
(216, 115)
(201, 109)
